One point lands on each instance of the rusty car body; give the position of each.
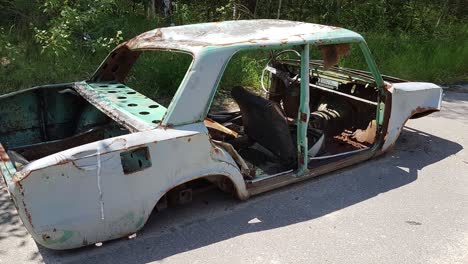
(89, 161)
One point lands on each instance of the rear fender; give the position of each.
(61, 203)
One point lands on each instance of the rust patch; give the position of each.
(158, 33)
(117, 65)
(3, 155)
(28, 215)
(300, 158)
(20, 187)
(16, 179)
(386, 119)
(303, 117)
(152, 35)
(368, 135)
(185, 136)
(346, 137)
(387, 85)
(301, 37)
(331, 54)
(167, 126)
(422, 111)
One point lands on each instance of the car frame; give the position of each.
(108, 188)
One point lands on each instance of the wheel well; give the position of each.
(182, 193)
(422, 114)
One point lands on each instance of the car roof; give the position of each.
(259, 32)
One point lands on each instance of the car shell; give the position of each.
(83, 195)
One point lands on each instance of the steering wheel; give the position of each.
(284, 76)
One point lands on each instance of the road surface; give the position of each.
(409, 206)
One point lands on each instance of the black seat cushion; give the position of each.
(265, 123)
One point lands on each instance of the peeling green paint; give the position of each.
(129, 101)
(304, 114)
(140, 223)
(67, 234)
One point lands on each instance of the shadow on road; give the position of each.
(454, 106)
(10, 223)
(215, 217)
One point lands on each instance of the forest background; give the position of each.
(54, 41)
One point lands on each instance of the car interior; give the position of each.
(262, 127)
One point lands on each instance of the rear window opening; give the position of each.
(158, 74)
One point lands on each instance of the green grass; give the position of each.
(440, 60)
(31, 68)
(409, 57)
(158, 74)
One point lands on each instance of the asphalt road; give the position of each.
(409, 206)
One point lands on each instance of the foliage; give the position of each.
(74, 22)
(148, 77)
(6, 48)
(413, 39)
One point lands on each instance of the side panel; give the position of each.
(408, 99)
(91, 199)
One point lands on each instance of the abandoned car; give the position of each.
(89, 161)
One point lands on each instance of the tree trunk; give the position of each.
(153, 9)
(167, 8)
(255, 9)
(338, 10)
(234, 10)
(279, 10)
(442, 14)
(268, 9)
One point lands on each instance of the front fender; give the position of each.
(410, 99)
